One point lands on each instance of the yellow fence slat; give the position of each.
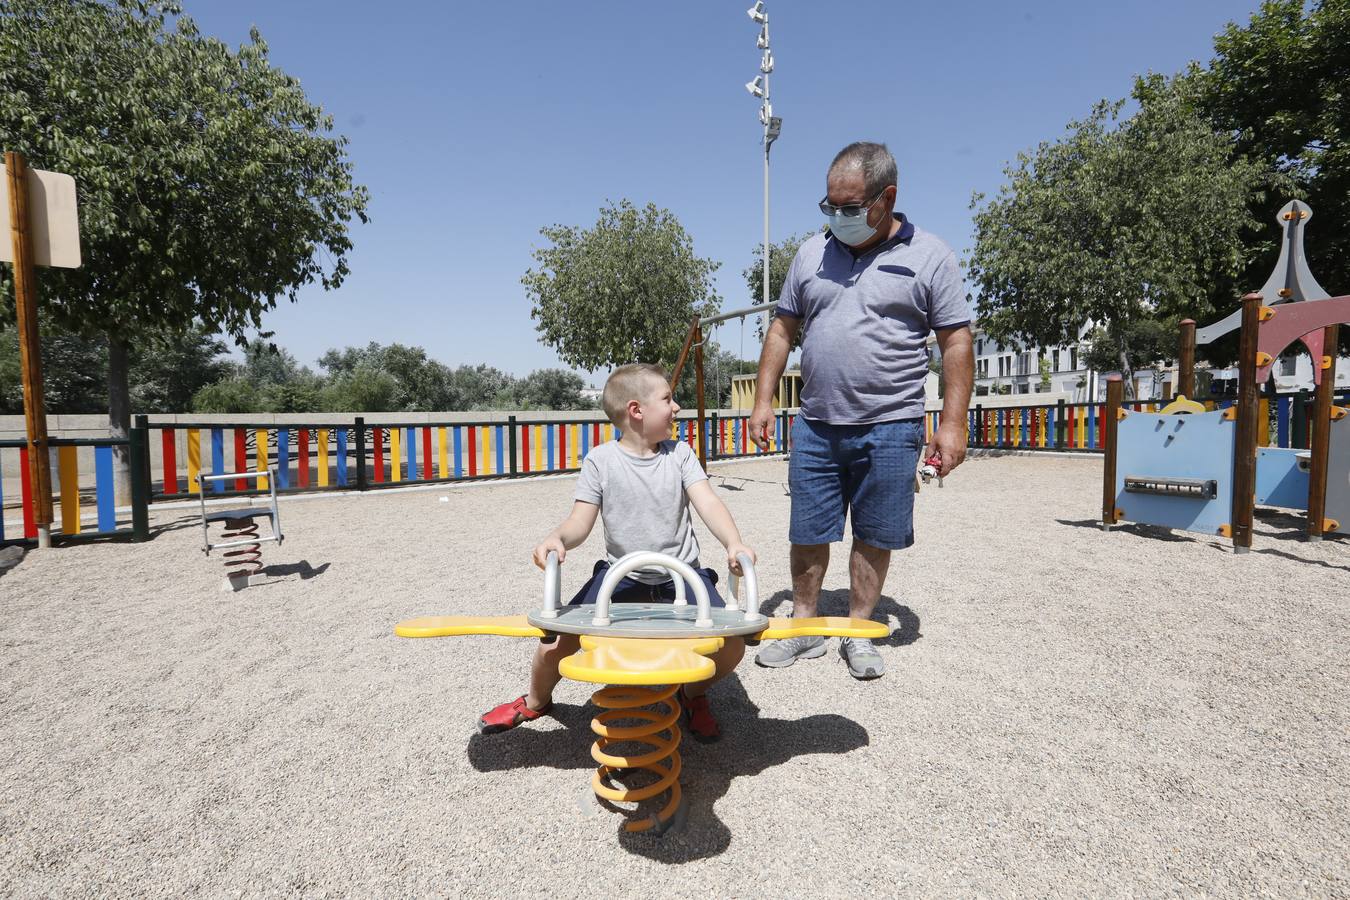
(323, 457)
(443, 452)
(194, 448)
(395, 454)
(261, 455)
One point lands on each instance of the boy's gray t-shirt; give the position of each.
(642, 501)
(867, 319)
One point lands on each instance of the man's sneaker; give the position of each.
(780, 654)
(863, 660)
(508, 715)
(702, 724)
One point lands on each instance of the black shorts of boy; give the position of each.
(630, 590)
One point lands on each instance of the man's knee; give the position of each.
(808, 556)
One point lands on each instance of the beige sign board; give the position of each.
(55, 222)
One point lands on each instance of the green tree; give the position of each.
(551, 389)
(420, 384)
(74, 373)
(235, 394)
(362, 389)
(1280, 85)
(780, 260)
(166, 371)
(1113, 225)
(210, 187)
(1143, 343)
(480, 387)
(622, 291)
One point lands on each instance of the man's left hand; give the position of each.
(949, 446)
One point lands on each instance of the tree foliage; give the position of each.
(166, 371)
(780, 260)
(379, 378)
(208, 185)
(621, 291)
(1117, 222)
(1280, 85)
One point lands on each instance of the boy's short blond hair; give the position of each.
(628, 383)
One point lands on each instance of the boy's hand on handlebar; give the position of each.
(735, 550)
(550, 544)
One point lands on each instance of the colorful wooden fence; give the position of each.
(358, 456)
(1072, 427)
(83, 488)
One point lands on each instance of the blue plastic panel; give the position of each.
(1200, 445)
(1280, 481)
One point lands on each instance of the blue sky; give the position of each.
(474, 125)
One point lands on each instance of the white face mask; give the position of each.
(852, 230)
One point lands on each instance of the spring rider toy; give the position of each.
(643, 652)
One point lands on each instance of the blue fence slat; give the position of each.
(499, 439)
(103, 489)
(551, 454)
(459, 465)
(1283, 410)
(410, 441)
(342, 457)
(217, 458)
(283, 458)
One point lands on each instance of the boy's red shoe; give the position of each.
(509, 715)
(702, 725)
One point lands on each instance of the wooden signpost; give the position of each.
(44, 230)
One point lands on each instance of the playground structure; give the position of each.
(643, 652)
(241, 542)
(1189, 468)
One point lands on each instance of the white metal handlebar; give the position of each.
(643, 559)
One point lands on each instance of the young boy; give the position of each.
(642, 486)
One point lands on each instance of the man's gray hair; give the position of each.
(873, 160)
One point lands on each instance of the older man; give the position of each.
(867, 292)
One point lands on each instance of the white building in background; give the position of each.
(1002, 370)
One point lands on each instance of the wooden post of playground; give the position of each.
(1185, 386)
(698, 388)
(1321, 435)
(30, 351)
(684, 354)
(1115, 395)
(1248, 403)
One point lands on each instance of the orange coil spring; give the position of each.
(246, 560)
(621, 704)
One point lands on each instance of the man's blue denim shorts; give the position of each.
(866, 471)
(630, 590)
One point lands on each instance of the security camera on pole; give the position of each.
(773, 125)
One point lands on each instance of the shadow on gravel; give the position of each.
(1314, 562)
(9, 558)
(302, 568)
(1279, 519)
(1138, 529)
(904, 623)
(750, 745)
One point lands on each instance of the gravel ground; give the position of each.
(1067, 712)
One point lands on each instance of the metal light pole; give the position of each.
(773, 125)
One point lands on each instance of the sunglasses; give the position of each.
(848, 210)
